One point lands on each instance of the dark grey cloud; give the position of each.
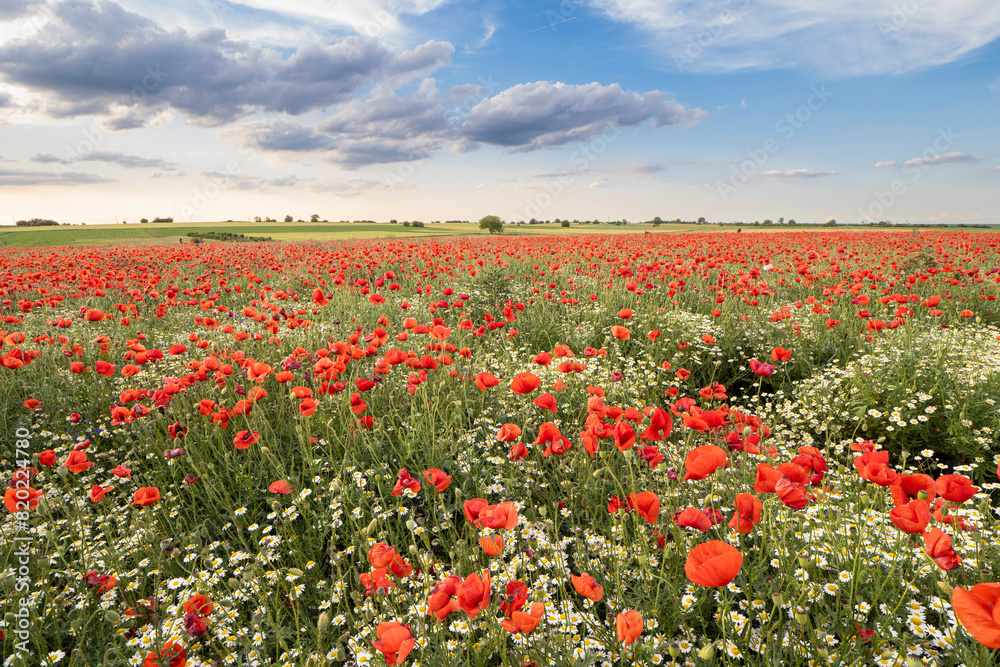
(279, 135)
(543, 114)
(123, 159)
(27, 177)
(98, 58)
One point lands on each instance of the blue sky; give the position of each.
(734, 110)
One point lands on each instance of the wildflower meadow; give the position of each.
(692, 449)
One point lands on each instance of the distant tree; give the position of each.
(163, 219)
(393, 222)
(288, 218)
(417, 223)
(831, 222)
(143, 220)
(791, 221)
(768, 222)
(257, 219)
(657, 222)
(532, 222)
(36, 222)
(564, 223)
(493, 224)
(406, 223)
(781, 221)
(314, 217)
(701, 221)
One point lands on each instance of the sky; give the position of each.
(731, 110)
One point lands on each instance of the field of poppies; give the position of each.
(698, 449)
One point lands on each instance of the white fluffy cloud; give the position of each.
(843, 38)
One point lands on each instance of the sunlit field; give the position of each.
(592, 449)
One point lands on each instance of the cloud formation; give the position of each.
(832, 38)
(28, 177)
(122, 159)
(543, 114)
(942, 158)
(98, 58)
(777, 174)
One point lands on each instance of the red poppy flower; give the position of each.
(515, 595)
(104, 368)
(280, 486)
(523, 623)
(978, 611)
(121, 471)
(587, 586)
(761, 369)
(473, 594)
(395, 641)
(906, 488)
(441, 601)
(471, 508)
(47, 458)
(32, 404)
(692, 518)
(621, 333)
(508, 433)
(956, 488)
(913, 517)
(781, 354)
(77, 462)
(243, 439)
(503, 515)
(625, 313)
(525, 383)
(660, 425)
(486, 380)
(199, 604)
(404, 481)
(21, 499)
(547, 402)
(171, 655)
(554, 441)
(937, 545)
(748, 509)
(713, 564)
(146, 495)
(437, 478)
(97, 492)
(101, 583)
(703, 461)
(492, 545)
(629, 626)
(646, 504)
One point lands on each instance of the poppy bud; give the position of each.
(341, 654)
(865, 500)
(233, 583)
(543, 512)
(371, 527)
(922, 495)
(276, 505)
(112, 617)
(62, 472)
(458, 492)
(336, 486)
(247, 575)
(944, 510)
(166, 545)
(912, 661)
(323, 623)
(411, 524)
(803, 560)
(642, 558)
(801, 617)
(295, 571)
(776, 597)
(661, 467)
(9, 618)
(674, 649)
(265, 451)
(414, 550)
(707, 652)
(823, 653)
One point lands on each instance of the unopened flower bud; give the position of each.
(707, 652)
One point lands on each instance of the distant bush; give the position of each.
(36, 222)
(163, 219)
(417, 223)
(225, 236)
